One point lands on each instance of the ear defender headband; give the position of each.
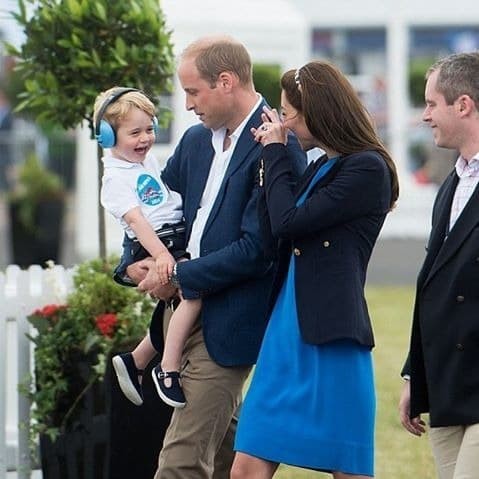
(104, 132)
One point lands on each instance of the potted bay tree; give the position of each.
(73, 50)
(36, 208)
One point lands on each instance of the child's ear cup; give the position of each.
(105, 134)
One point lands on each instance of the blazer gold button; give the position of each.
(326, 244)
(460, 299)
(296, 251)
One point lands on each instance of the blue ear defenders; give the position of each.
(104, 132)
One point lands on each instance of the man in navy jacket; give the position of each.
(215, 169)
(442, 369)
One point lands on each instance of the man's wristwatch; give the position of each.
(174, 277)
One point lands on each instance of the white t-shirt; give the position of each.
(127, 185)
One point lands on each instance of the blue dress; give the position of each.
(309, 406)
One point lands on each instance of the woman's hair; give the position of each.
(118, 109)
(458, 75)
(334, 113)
(216, 54)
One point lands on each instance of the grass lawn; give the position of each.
(399, 455)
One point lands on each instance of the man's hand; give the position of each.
(137, 271)
(151, 284)
(415, 425)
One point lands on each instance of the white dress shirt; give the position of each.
(216, 175)
(468, 172)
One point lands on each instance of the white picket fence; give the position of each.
(21, 291)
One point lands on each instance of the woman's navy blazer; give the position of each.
(330, 236)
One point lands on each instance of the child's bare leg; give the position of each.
(179, 329)
(129, 366)
(166, 375)
(144, 353)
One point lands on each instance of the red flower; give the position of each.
(106, 323)
(49, 311)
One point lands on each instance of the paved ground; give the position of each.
(396, 261)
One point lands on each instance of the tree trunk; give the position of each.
(101, 211)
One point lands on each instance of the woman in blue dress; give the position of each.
(311, 402)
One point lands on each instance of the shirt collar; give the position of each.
(219, 135)
(109, 161)
(467, 168)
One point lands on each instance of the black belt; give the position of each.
(168, 231)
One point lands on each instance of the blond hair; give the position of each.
(119, 108)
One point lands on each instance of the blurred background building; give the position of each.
(383, 46)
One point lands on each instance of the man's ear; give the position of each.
(465, 104)
(227, 80)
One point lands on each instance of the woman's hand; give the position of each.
(272, 130)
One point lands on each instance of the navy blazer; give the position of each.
(331, 237)
(443, 359)
(232, 276)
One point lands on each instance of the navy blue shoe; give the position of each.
(173, 395)
(127, 375)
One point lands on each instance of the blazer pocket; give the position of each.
(329, 258)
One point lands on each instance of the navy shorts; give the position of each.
(172, 236)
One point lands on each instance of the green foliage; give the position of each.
(12, 86)
(35, 184)
(417, 82)
(73, 342)
(266, 79)
(76, 48)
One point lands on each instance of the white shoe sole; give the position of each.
(124, 381)
(165, 399)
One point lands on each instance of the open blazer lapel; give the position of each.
(440, 222)
(467, 220)
(243, 148)
(198, 166)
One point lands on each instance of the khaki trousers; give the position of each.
(199, 441)
(456, 451)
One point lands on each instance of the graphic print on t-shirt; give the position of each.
(150, 191)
